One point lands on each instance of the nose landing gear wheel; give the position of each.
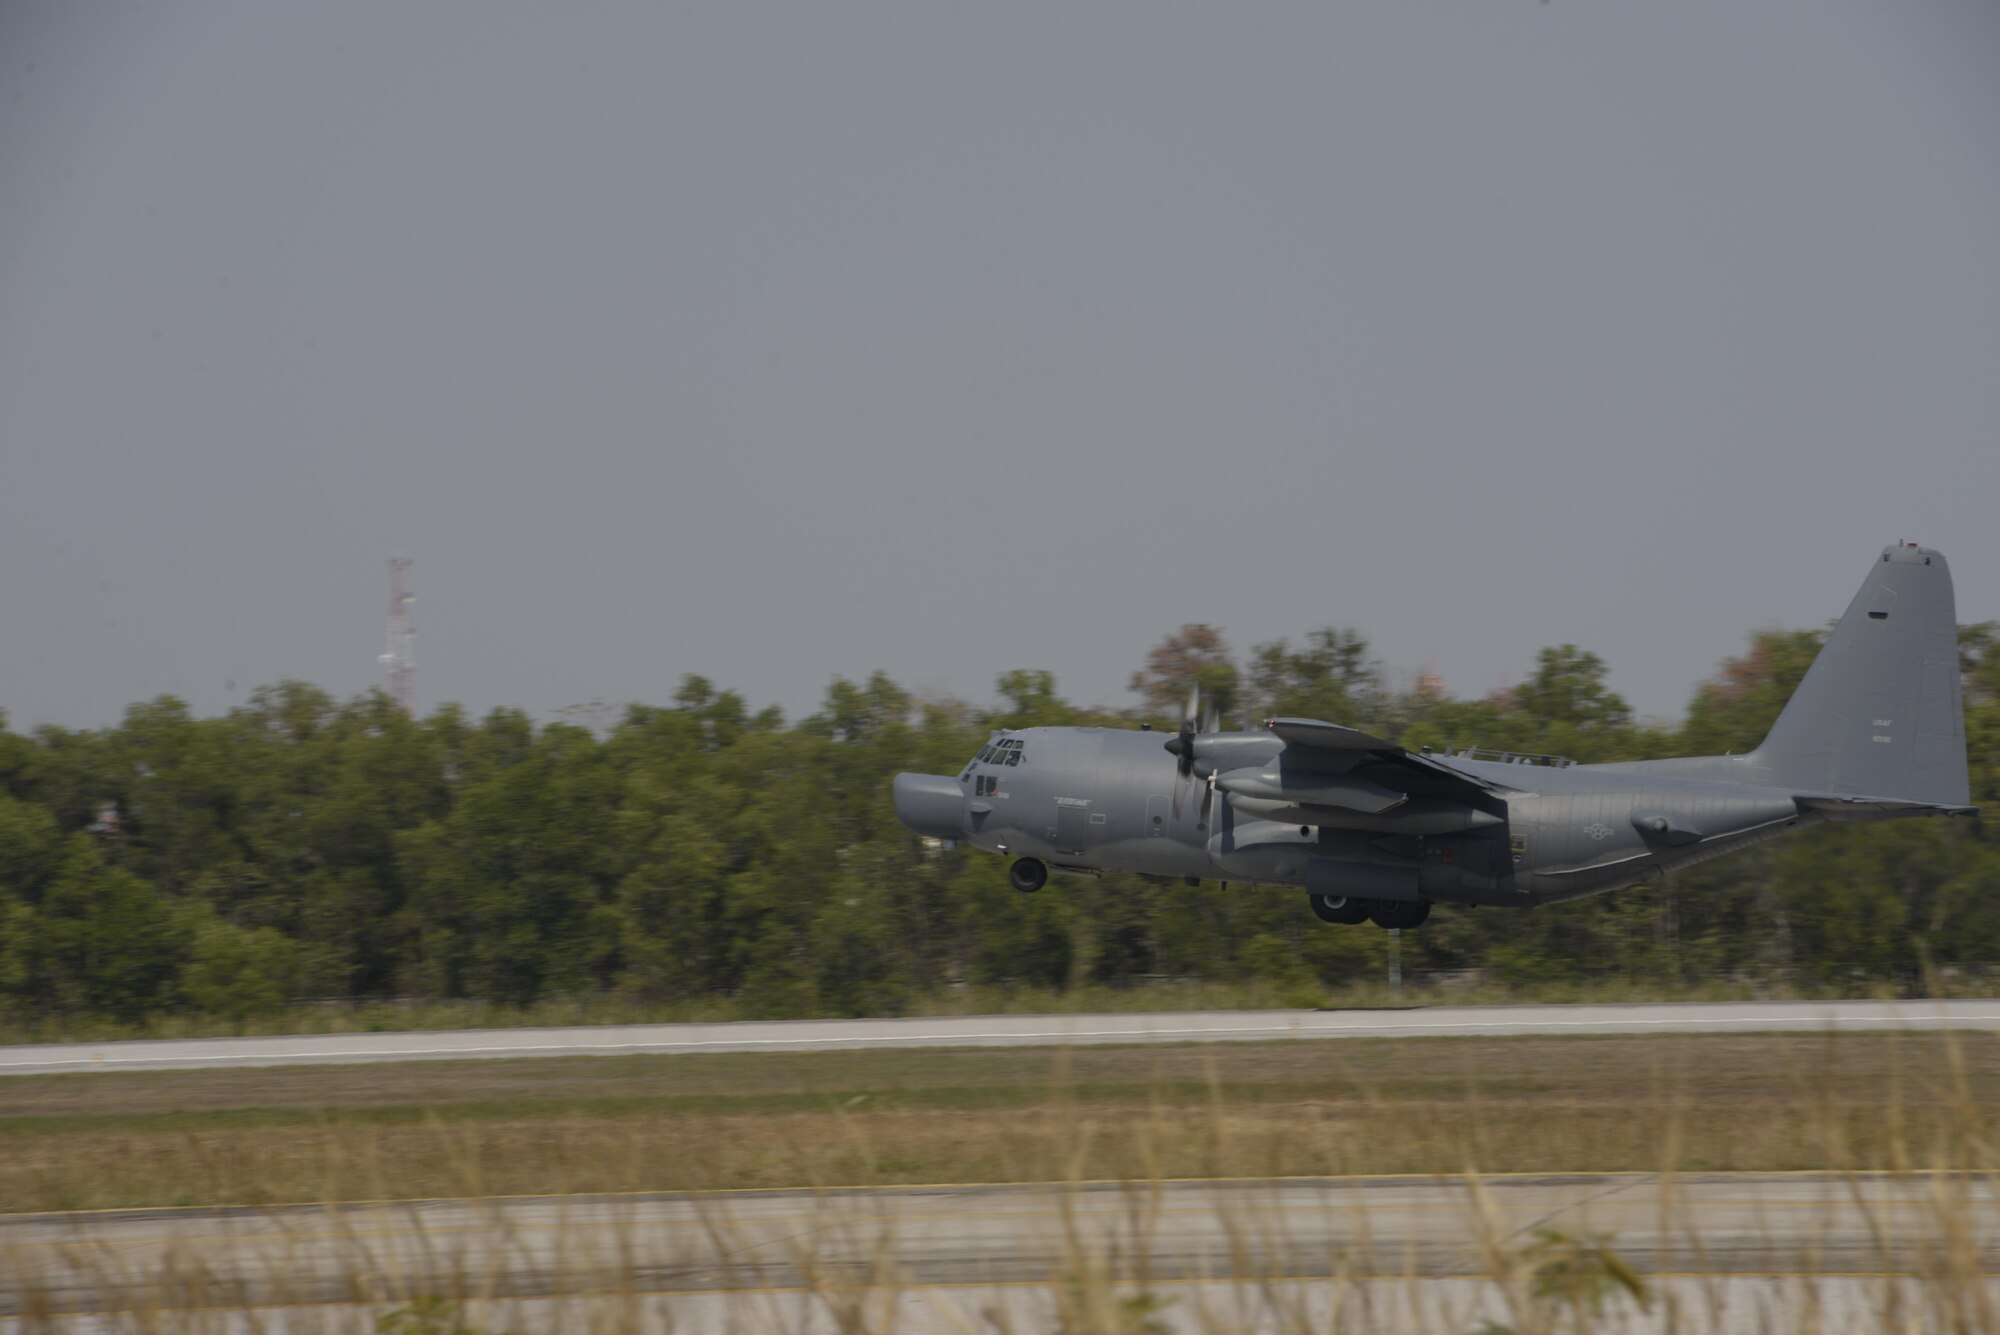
(1027, 875)
(1335, 908)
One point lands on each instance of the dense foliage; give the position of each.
(300, 847)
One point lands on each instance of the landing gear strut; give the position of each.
(1028, 875)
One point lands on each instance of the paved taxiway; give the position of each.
(705, 1247)
(1002, 1031)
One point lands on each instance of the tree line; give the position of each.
(303, 847)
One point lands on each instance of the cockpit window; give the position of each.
(1006, 751)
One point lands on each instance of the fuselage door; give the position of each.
(1072, 825)
(1157, 807)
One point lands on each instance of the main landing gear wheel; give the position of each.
(1389, 913)
(1028, 875)
(1335, 908)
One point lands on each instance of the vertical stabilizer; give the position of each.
(1881, 712)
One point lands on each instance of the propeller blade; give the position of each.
(1181, 744)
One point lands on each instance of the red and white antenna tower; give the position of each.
(399, 665)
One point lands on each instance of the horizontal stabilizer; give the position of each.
(1878, 808)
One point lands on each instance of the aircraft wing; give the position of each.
(1354, 750)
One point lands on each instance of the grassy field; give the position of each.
(1139, 1116)
(1249, 994)
(766, 1120)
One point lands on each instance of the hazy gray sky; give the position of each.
(781, 341)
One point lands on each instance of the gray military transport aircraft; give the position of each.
(1375, 833)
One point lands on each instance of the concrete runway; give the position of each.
(1002, 1031)
(721, 1254)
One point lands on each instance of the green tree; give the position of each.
(17, 948)
(1568, 689)
(1330, 677)
(235, 971)
(515, 880)
(1734, 709)
(105, 940)
(1194, 655)
(1032, 701)
(31, 847)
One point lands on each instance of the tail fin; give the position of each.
(1880, 712)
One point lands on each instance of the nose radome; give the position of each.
(931, 804)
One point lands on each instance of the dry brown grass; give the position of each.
(673, 1123)
(1664, 1107)
(1745, 1067)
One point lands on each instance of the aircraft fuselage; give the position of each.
(1105, 799)
(1371, 830)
